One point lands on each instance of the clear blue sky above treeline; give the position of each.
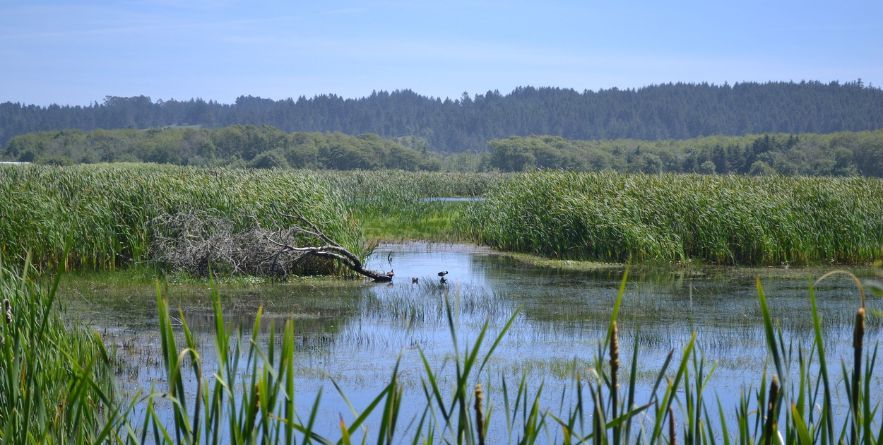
(78, 52)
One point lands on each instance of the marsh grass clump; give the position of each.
(106, 214)
(673, 218)
(393, 205)
(56, 379)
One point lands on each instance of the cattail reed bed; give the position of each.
(56, 380)
(106, 216)
(109, 215)
(392, 205)
(680, 218)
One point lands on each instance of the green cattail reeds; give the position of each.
(56, 380)
(106, 215)
(672, 218)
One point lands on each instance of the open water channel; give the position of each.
(354, 332)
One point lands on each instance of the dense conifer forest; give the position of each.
(667, 111)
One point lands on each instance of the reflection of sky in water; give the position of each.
(355, 334)
(425, 260)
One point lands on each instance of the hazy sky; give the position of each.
(76, 52)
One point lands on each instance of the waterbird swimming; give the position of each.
(441, 274)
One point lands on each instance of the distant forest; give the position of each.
(835, 154)
(466, 124)
(234, 146)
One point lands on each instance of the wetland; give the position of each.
(511, 313)
(351, 334)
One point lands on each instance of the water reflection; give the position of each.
(354, 332)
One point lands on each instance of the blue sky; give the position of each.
(76, 52)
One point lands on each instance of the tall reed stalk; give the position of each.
(56, 380)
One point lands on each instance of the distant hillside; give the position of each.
(669, 111)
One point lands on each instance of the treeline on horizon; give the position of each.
(658, 112)
(835, 154)
(234, 146)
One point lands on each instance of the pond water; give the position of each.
(354, 332)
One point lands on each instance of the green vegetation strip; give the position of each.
(837, 154)
(234, 146)
(678, 218)
(106, 214)
(398, 205)
(847, 153)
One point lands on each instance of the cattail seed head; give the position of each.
(614, 349)
(858, 333)
(672, 431)
(479, 414)
(770, 428)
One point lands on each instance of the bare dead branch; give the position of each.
(196, 240)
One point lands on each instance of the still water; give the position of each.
(353, 332)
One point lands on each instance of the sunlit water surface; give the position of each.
(354, 332)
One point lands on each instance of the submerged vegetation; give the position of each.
(251, 397)
(675, 218)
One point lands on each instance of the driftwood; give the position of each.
(199, 241)
(331, 249)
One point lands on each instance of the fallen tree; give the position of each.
(331, 249)
(200, 241)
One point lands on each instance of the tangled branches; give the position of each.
(197, 241)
